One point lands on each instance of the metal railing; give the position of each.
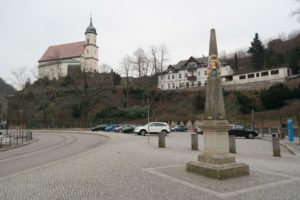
(9, 138)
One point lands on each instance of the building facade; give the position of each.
(60, 60)
(191, 73)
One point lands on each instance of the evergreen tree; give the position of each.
(257, 51)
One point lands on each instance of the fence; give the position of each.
(14, 137)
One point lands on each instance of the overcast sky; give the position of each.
(28, 27)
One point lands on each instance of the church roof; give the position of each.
(61, 51)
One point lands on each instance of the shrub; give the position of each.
(199, 101)
(246, 104)
(137, 112)
(275, 96)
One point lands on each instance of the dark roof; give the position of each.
(91, 28)
(182, 63)
(63, 51)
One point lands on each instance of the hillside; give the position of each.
(95, 98)
(277, 53)
(6, 89)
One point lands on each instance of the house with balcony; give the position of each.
(190, 73)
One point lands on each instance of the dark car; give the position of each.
(100, 127)
(241, 131)
(179, 128)
(130, 128)
(111, 127)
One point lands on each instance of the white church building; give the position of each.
(60, 60)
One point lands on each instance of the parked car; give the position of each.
(241, 131)
(121, 128)
(198, 130)
(179, 128)
(154, 127)
(100, 127)
(130, 128)
(110, 128)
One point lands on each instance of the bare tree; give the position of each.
(297, 11)
(164, 56)
(126, 66)
(154, 59)
(19, 78)
(139, 60)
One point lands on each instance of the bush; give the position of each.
(275, 96)
(246, 104)
(76, 110)
(137, 112)
(199, 101)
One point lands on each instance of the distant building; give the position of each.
(62, 60)
(258, 80)
(191, 73)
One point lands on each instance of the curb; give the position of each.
(17, 146)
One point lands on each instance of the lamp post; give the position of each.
(148, 118)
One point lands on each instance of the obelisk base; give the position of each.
(218, 167)
(216, 161)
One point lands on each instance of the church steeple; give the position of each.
(91, 28)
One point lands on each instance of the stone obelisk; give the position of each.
(216, 161)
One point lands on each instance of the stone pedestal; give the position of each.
(216, 162)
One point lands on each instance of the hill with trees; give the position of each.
(6, 89)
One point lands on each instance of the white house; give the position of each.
(189, 73)
(59, 60)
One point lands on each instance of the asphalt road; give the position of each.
(47, 147)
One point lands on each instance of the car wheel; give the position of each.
(250, 136)
(164, 132)
(143, 132)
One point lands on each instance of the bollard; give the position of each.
(232, 145)
(262, 132)
(161, 140)
(194, 140)
(276, 145)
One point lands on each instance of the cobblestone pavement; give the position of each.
(133, 167)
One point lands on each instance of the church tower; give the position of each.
(90, 55)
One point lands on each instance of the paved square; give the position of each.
(257, 180)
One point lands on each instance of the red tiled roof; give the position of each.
(63, 51)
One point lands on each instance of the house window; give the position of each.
(179, 75)
(205, 82)
(187, 84)
(273, 72)
(198, 73)
(257, 74)
(192, 84)
(87, 51)
(250, 75)
(173, 76)
(199, 83)
(265, 73)
(173, 85)
(242, 77)
(205, 73)
(185, 75)
(168, 85)
(168, 77)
